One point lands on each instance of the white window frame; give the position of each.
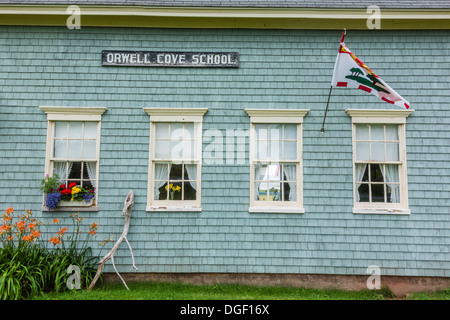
(84, 114)
(277, 116)
(173, 115)
(375, 116)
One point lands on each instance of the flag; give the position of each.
(350, 72)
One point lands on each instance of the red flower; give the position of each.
(66, 192)
(72, 184)
(62, 187)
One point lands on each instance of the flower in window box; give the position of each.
(71, 185)
(57, 194)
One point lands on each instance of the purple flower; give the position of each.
(88, 197)
(52, 200)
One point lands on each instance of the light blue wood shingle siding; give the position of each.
(278, 69)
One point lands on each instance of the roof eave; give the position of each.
(207, 17)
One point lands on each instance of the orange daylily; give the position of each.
(55, 240)
(62, 231)
(20, 225)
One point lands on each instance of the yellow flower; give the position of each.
(177, 188)
(75, 190)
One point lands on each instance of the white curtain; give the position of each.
(92, 172)
(192, 174)
(290, 172)
(59, 168)
(360, 168)
(161, 173)
(392, 176)
(260, 173)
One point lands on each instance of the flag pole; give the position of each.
(326, 110)
(331, 88)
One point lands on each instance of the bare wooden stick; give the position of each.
(129, 201)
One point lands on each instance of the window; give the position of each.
(73, 141)
(379, 161)
(276, 166)
(175, 159)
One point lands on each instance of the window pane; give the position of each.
(377, 192)
(290, 150)
(189, 192)
(290, 172)
(176, 172)
(362, 132)
(189, 149)
(162, 149)
(362, 151)
(392, 173)
(190, 172)
(60, 169)
(261, 150)
(275, 132)
(290, 191)
(392, 151)
(391, 132)
(160, 191)
(274, 191)
(261, 191)
(89, 149)
(60, 129)
(176, 149)
(363, 191)
(176, 130)
(275, 150)
(377, 132)
(90, 130)
(274, 172)
(365, 177)
(75, 171)
(261, 131)
(375, 173)
(174, 190)
(260, 171)
(161, 171)
(89, 170)
(290, 132)
(393, 193)
(88, 174)
(189, 131)
(162, 130)
(74, 149)
(75, 130)
(60, 149)
(377, 151)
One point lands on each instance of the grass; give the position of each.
(180, 291)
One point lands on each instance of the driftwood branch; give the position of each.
(129, 201)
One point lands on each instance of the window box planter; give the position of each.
(75, 203)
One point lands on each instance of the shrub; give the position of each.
(28, 268)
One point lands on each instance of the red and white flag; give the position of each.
(350, 72)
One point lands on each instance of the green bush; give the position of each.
(28, 268)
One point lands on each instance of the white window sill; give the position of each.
(173, 208)
(276, 209)
(72, 209)
(392, 211)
